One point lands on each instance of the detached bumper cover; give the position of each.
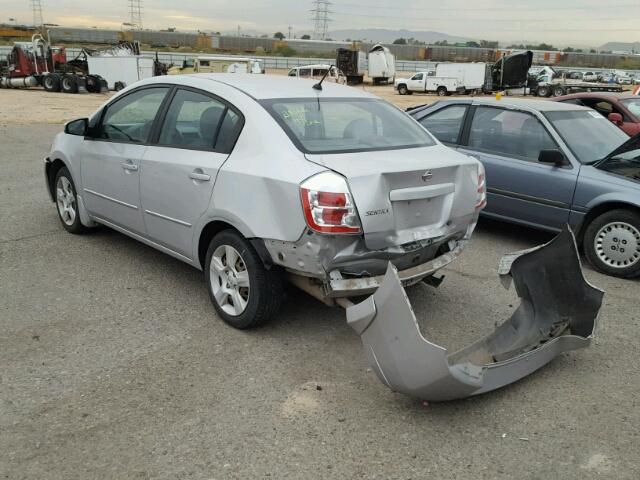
(557, 313)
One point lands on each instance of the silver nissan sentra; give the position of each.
(260, 179)
(256, 179)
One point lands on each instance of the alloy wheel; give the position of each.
(617, 245)
(66, 201)
(229, 280)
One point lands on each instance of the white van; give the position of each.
(317, 72)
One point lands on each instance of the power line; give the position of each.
(492, 20)
(320, 18)
(603, 6)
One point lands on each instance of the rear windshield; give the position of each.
(337, 125)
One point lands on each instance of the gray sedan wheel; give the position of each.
(612, 243)
(244, 292)
(230, 280)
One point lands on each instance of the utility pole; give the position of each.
(238, 30)
(36, 6)
(320, 16)
(135, 14)
(289, 32)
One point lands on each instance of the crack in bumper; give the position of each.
(557, 313)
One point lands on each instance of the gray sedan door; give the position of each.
(519, 188)
(111, 158)
(179, 171)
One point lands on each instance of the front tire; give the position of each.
(67, 202)
(612, 243)
(243, 291)
(402, 89)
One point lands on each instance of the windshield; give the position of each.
(633, 104)
(589, 135)
(336, 125)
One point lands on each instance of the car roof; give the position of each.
(313, 65)
(609, 95)
(529, 104)
(263, 86)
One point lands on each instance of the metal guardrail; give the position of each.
(271, 62)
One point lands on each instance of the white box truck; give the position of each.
(421, 82)
(470, 76)
(120, 71)
(382, 65)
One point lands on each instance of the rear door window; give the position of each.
(201, 122)
(509, 133)
(446, 123)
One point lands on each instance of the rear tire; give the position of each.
(441, 91)
(558, 92)
(612, 243)
(69, 84)
(543, 91)
(51, 82)
(243, 291)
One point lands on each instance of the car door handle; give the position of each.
(198, 175)
(129, 166)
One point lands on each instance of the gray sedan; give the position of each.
(549, 164)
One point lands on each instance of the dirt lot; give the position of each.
(27, 106)
(113, 364)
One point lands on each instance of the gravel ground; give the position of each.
(113, 364)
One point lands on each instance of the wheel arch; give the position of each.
(604, 207)
(212, 228)
(51, 170)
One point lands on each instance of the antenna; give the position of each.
(36, 6)
(318, 86)
(135, 14)
(320, 18)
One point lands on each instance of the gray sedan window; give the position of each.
(445, 124)
(509, 133)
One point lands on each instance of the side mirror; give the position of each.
(77, 127)
(554, 157)
(616, 119)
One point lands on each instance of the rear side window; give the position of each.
(509, 133)
(130, 118)
(201, 122)
(446, 123)
(304, 72)
(192, 121)
(334, 125)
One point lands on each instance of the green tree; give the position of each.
(306, 37)
(400, 41)
(279, 35)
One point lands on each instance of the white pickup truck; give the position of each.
(422, 82)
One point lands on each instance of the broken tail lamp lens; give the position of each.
(328, 206)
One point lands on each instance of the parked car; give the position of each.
(549, 164)
(217, 64)
(590, 76)
(253, 178)
(317, 72)
(622, 110)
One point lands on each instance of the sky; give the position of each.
(569, 22)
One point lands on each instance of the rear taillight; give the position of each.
(481, 198)
(327, 204)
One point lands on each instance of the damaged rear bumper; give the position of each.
(557, 313)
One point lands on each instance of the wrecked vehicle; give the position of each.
(257, 179)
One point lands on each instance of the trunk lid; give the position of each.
(408, 195)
